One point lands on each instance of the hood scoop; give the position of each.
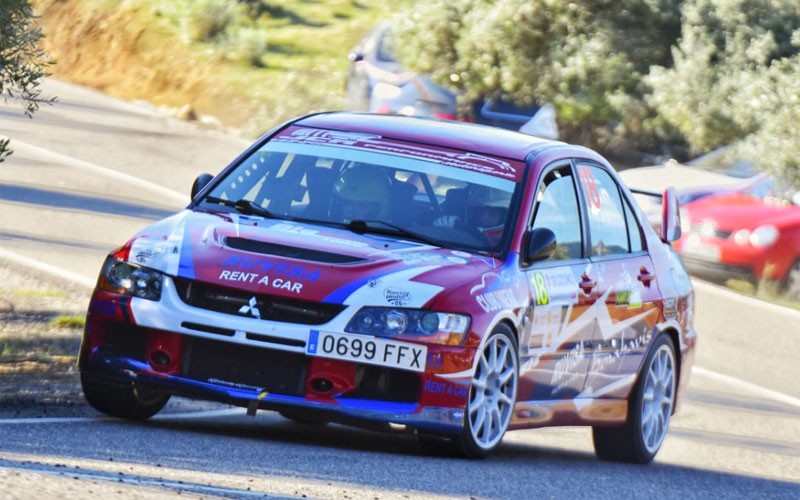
(291, 252)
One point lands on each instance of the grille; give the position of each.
(697, 227)
(268, 307)
(244, 367)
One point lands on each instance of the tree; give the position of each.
(22, 60)
(587, 57)
(734, 80)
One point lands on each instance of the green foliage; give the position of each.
(22, 61)
(581, 55)
(68, 321)
(734, 79)
(648, 74)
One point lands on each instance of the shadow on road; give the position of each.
(31, 195)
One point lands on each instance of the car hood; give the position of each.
(738, 211)
(303, 261)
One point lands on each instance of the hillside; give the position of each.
(249, 64)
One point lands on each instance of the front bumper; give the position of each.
(274, 374)
(717, 271)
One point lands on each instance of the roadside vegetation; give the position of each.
(250, 64)
(661, 77)
(40, 332)
(23, 62)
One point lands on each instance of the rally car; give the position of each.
(452, 278)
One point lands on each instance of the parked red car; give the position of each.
(753, 234)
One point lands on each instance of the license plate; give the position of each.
(704, 251)
(370, 350)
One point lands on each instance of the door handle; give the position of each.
(645, 276)
(587, 284)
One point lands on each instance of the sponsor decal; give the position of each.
(271, 267)
(293, 228)
(465, 160)
(433, 387)
(557, 285)
(397, 296)
(261, 279)
(496, 300)
(236, 385)
(568, 369)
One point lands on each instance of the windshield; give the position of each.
(406, 190)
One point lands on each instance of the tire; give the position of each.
(649, 410)
(123, 401)
(492, 395)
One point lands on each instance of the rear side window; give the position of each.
(612, 226)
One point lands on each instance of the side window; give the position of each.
(609, 216)
(557, 209)
(634, 234)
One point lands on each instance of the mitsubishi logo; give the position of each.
(250, 308)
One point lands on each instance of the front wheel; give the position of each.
(649, 410)
(491, 396)
(123, 401)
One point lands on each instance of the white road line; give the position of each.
(743, 299)
(754, 389)
(56, 271)
(19, 146)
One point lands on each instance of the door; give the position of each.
(553, 345)
(627, 293)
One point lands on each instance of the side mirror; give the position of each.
(541, 245)
(670, 216)
(355, 57)
(199, 183)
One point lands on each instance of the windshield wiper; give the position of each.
(246, 207)
(360, 226)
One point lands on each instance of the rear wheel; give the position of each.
(123, 401)
(649, 410)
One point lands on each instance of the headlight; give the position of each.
(764, 236)
(413, 324)
(130, 279)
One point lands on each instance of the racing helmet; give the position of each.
(489, 207)
(363, 191)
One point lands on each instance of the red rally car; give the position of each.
(456, 279)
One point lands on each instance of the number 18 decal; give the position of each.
(540, 289)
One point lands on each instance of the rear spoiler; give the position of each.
(670, 212)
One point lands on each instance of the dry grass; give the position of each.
(138, 50)
(39, 342)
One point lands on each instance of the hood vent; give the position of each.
(265, 248)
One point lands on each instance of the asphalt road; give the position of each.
(90, 171)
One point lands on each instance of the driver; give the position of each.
(363, 193)
(485, 212)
